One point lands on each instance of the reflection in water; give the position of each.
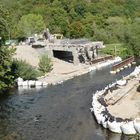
(58, 112)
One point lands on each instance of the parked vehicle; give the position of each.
(30, 40)
(40, 43)
(11, 42)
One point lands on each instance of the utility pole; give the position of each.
(0, 41)
(115, 50)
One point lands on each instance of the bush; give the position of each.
(45, 64)
(24, 70)
(121, 50)
(6, 76)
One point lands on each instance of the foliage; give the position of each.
(111, 21)
(132, 37)
(24, 70)
(30, 24)
(6, 77)
(117, 50)
(115, 22)
(57, 20)
(4, 22)
(45, 64)
(76, 30)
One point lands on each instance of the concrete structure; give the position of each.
(82, 50)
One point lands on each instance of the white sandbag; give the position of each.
(25, 83)
(91, 68)
(98, 107)
(38, 83)
(113, 72)
(106, 88)
(121, 82)
(117, 59)
(129, 65)
(100, 93)
(31, 83)
(19, 79)
(92, 109)
(137, 124)
(104, 121)
(115, 126)
(20, 83)
(60, 82)
(104, 124)
(128, 128)
(94, 101)
(98, 66)
(135, 72)
(45, 84)
(98, 117)
(118, 70)
(113, 84)
(126, 66)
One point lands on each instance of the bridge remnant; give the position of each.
(82, 50)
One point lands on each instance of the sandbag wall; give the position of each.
(104, 118)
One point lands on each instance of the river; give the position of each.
(60, 112)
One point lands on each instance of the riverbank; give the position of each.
(62, 70)
(116, 107)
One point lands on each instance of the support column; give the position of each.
(75, 57)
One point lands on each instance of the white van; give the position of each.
(30, 40)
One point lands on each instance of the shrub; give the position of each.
(118, 50)
(6, 76)
(24, 70)
(45, 64)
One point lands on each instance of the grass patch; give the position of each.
(117, 50)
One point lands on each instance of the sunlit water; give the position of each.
(58, 112)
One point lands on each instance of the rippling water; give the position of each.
(58, 112)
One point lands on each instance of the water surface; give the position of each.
(60, 112)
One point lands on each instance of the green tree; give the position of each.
(88, 22)
(114, 19)
(81, 7)
(22, 69)
(5, 24)
(45, 64)
(6, 77)
(116, 29)
(30, 24)
(73, 15)
(57, 20)
(77, 30)
(132, 37)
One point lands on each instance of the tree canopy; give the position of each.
(111, 21)
(30, 24)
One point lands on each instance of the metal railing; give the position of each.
(101, 59)
(123, 63)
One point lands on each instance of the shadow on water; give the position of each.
(58, 112)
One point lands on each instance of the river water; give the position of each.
(59, 112)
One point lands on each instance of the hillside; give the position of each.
(110, 21)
